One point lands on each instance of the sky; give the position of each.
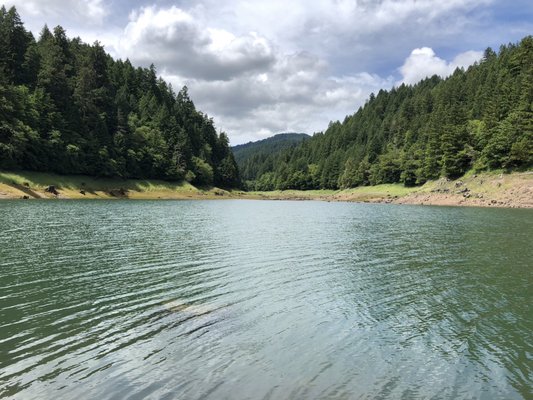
(270, 66)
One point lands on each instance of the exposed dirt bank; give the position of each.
(483, 190)
(502, 190)
(488, 190)
(33, 185)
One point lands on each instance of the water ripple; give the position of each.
(264, 300)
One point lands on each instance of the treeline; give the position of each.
(251, 157)
(68, 107)
(478, 119)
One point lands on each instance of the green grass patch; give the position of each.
(392, 189)
(41, 180)
(292, 194)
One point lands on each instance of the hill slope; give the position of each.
(252, 154)
(68, 107)
(478, 119)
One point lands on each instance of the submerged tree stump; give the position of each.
(51, 189)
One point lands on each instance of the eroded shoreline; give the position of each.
(480, 190)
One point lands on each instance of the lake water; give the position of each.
(264, 300)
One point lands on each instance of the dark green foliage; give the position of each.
(68, 107)
(481, 118)
(253, 158)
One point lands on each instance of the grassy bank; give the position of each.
(362, 194)
(494, 189)
(16, 185)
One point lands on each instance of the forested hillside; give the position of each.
(478, 119)
(251, 156)
(68, 107)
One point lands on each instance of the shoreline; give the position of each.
(513, 190)
(500, 190)
(37, 185)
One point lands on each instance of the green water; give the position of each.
(264, 300)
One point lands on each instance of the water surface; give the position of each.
(264, 300)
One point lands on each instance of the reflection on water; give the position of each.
(280, 300)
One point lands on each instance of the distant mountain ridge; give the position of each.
(250, 156)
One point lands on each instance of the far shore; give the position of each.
(494, 189)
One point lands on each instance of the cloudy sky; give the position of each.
(264, 67)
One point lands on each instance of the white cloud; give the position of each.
(423, 63)
(251, 85)
(349, 26)
(297, 94)
(262, 67)
(349, 15)
(466, 59)
(37, 12)
(178, 44)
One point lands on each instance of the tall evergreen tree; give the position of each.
(481, 118)
(68, 107)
